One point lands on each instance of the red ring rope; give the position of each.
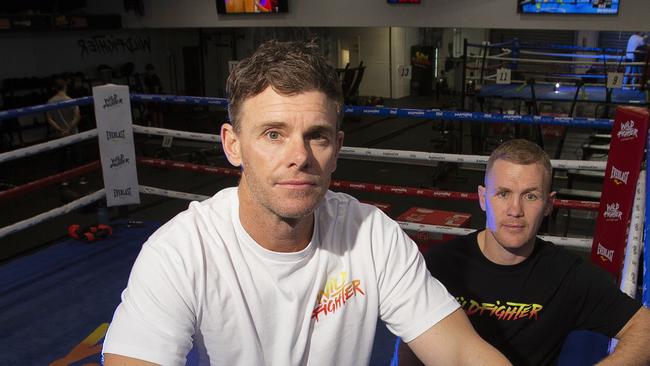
(47, 181)
(367, 187)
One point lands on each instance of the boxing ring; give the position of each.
(553, 73)
(22, 271)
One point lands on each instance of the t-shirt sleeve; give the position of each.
(155, 320)
(602, 307)
(411, 300)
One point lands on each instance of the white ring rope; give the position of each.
(47, 146)
(514, 81)
(576, 243)
(532, 60)
(62, 210)
(384, 155)
(176, 133)
(573, 243)
(634, 240)
(426, 158)
(172, 194)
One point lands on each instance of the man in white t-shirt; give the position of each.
(279, 270)
(636, 39)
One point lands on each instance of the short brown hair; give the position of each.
(60, 84)
(290, 68)
(523, 152)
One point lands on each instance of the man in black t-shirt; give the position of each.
(522, 294)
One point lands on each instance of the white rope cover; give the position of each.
(172, 194)
(634, 240)
(576, 243)
(532, 60)
(573, 243)
(176, 133)
(47, 146)
(62, 210)
(429, 159)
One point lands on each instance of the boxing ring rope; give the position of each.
(157, 131)
(579, 243)
(634, 240)
(574, 55)
(383, 155)
(583, 244)
(55, 212)
(587, 58)
(47, 146)
(359, 186)
(438, 115)
(52, 179)
(542, 61)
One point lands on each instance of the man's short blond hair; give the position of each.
(523, 152)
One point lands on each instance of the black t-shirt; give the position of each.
(527, 310)
(152, 84)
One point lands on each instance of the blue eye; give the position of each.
(273, 135)
(530, 196)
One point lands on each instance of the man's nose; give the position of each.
(298, 152)
(514, 207)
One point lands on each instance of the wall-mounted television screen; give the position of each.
(251, 6)
(403, 1)
(568, 6)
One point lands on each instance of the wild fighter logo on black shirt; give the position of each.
(506, 310)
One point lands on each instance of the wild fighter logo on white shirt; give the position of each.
(337, 292)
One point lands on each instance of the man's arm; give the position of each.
(453, 341)
(119, 360)
(53, 123)
(75, 121)
(634, 338)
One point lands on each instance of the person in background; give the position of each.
(522, 294)
(152, 85)
(635, 40)
(65, 122)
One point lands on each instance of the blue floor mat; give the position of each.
(56, 304)
(54, 299)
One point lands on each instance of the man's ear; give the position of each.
(482, 197)
(550, 201)
(230, 144)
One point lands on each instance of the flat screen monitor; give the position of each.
(568, 6)
(251, 6)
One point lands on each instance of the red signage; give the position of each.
(621, 174)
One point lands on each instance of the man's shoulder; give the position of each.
(58, 98)
(551, 250)
(345, 204)
(198, 217)
(459, 243)
(458, 247)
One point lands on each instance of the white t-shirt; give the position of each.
(63, 116)
(632, 44)
(201, 277)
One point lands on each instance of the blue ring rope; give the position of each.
(14, 113)
(374, 111)
(480, 117)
